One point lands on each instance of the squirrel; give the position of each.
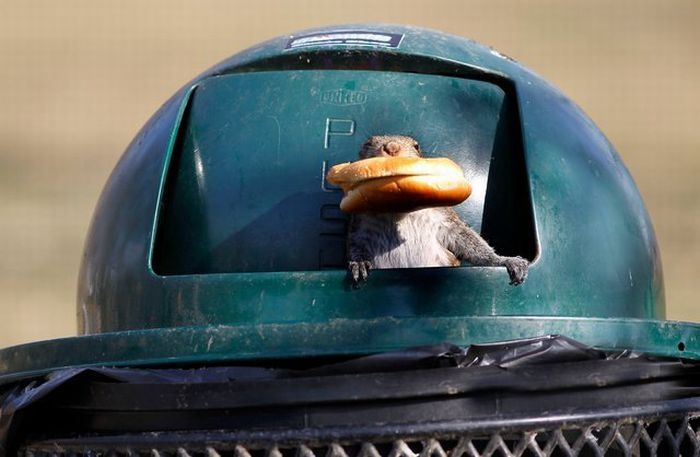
(423, 238)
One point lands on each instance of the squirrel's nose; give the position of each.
(392, 148)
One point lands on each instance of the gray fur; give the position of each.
(424, 238)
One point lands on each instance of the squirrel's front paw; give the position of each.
(517, 269)
(359, 271)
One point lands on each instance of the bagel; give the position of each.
(399, 184)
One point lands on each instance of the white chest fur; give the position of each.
(411, 240)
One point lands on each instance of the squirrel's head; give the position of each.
(390, 146)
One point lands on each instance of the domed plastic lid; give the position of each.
(218, 212)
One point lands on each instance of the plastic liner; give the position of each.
(546, 350)
(540, 350)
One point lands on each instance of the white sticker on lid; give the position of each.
(346, 38)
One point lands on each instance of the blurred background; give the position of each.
(79, 78)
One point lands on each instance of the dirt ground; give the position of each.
(79, 78)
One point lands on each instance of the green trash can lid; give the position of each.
(219, 212)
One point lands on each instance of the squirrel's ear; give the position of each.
(366, 149)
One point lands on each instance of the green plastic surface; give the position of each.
(216, 238)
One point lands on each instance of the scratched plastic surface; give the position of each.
(556, 191)
(245, 190)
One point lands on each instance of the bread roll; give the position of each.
(350, 173)
(399, 184)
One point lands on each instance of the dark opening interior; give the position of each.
(245, 188)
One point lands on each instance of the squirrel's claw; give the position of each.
(517, 269)
(359, 271)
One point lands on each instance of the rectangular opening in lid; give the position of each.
(245, 188)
